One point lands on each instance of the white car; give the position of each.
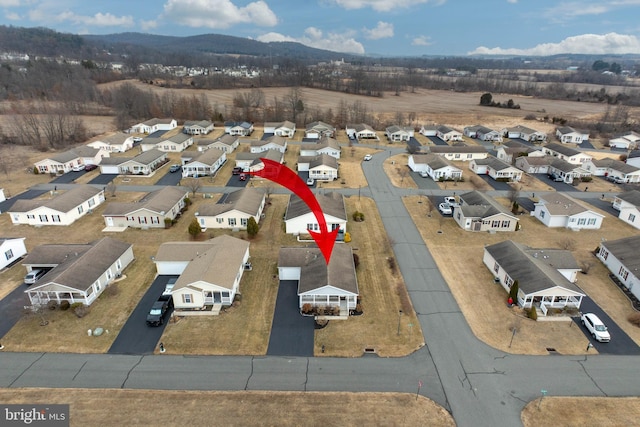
(137, 139)
(78, 168)
(311, 181)
(451, 201)
(367, 157)
(596, 328)
(445, 209)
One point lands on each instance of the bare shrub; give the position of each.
(112, 290)
(586, 266)
(634, 319)
(568, 244)
(81, 311)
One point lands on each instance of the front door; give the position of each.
(109, 221)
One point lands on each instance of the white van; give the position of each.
(595, 326)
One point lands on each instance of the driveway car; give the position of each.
(137, 139)
(445, 209)
(424, 174)
(555, 177)
(595, 326)
(78, 168)
(367, 157)
(236, 171)
(451, 201)
(90, 167)
(243, 177)
(174, 168)
(33, 276)
(166, 294)
(157, 313)
(311, 181)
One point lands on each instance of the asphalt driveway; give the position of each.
(291, 333)
(620, 344)
(103, 178)
(497, 185)
(558, 186)
(136, 337)
(602, 204)
(67, 178)
(27, 195)
(170, 178)
(12, 308)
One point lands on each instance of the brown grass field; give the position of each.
(65, 332)
(112, 407)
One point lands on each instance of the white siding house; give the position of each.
(628, 205)
(558, 210)
(62, 209)
(149, 212)
(153, 125)
(233, 210)
(210, 273)
(478, 212)
(205, 163)
(320, 284)
(546, 277)
(80, 273)
(567, 134)
(621, 258)
(496, 169)
(11, 250)
(436, 167)
(299, 218)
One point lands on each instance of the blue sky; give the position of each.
(369, 27)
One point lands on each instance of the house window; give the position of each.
(542, 213)
(508, 281)
(582, 221)
(80, 209)
(505, 224)
(632, 218)
(130, 218)
(109, 275)
(313, 227)
(142, 219)
(604, 253)
(496, 267)
(29, 216)
(97, 285)
(232, 222)
(91, 202)
(43, 218)
(495, 224)
(219, 220)
(592, 221)
(243, 222)
(187, 298)
(457, 156)
(55, 218)
(118, 264)
(155, 220)
(225, 294)
(8, 254)
(623, 273)
(469, 156)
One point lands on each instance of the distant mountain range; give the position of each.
(46, 42)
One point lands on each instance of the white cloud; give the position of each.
(9, 3)
(148, 25)
(566, 11)
(218, 14)
(12, 16)
(512, 1)
(382, 5)
(611, 43)
(382, 31)
(97, 20)
(421, 41)
(313, 37)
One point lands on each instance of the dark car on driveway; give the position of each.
(158, 312)
(90, 167)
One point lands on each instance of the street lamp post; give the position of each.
(399, 317)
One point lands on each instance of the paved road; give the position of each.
(12, 308)
(481, 386)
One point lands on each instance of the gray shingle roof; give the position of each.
(331, 203)
(315, 273)
(160, 201)
(626, 251)
(632, 197)
(476, 204)
(434, 161)
(247, 200)
(80, 265)
(562, 149)
(534, 274)
(443, 149)
(559, 204)
(64, 202)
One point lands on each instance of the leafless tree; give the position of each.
(111, 188)
(514, 193)
(586, 266)
(193, 184)
(567, 243)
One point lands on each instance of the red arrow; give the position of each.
(274, 171)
